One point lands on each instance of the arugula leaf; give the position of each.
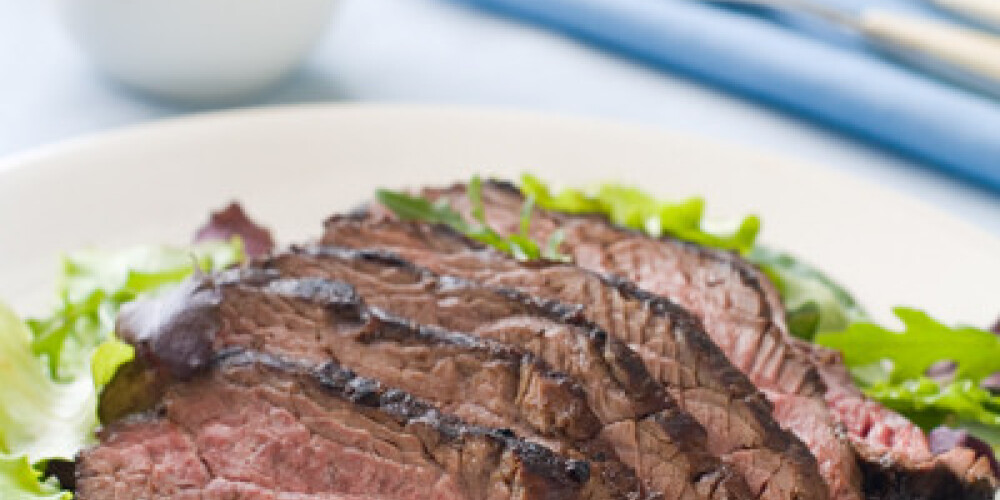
(929, 405)
(890, 367)
(922, 343)
(814, 302)
(415, 208)
(633, 208)
(520, 246)
(20, 481)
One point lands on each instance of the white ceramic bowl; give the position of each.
(197, 50)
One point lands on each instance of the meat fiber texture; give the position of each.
(731, 299)
(665, 446)
(316, 321)
(738, 419)
(260, 427)
(426, 366)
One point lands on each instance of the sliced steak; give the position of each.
(743, 315)
(675, 350)
(254, 426)
(316, 320)
(647, 429)
(895, 454)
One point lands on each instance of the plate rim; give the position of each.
(96, 139)
(54, 153)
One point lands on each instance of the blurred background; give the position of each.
(802, 83)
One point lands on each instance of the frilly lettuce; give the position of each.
(20, 481)
(94, 284)
(631, 207)
(53, 368)
(39, 417)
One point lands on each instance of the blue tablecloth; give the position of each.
(794, 64)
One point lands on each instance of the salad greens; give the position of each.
(20, 481)
(889, 366)
(95, 284)
(39, 417)
(520, 245)
(54, 367)
(922, 343)
(813, 301)
(633, 208)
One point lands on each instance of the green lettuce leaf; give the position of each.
(39, 417)
(633, 208)
(813, 302)
(107, 358)
(53, 368)
(921, 343)
(928, 404)
(95, 284)
(20, 481)
(890, 367)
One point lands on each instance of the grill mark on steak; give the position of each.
(316, 320)
(743, 316)
(669, 340)
(649, 430)
(252, 425)
(723, 296)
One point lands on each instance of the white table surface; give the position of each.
(433, 51)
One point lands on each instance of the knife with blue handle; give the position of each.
(962, 55)
(985, 13)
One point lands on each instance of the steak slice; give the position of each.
(315, 320)
(647, 429)
(254, 426)
(895, 456)
(670, 342)
(744, 317)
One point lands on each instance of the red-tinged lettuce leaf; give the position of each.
(944, 438)
(232, 222)
(95, 284)
(53, 368)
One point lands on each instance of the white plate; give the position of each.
(293, 166)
